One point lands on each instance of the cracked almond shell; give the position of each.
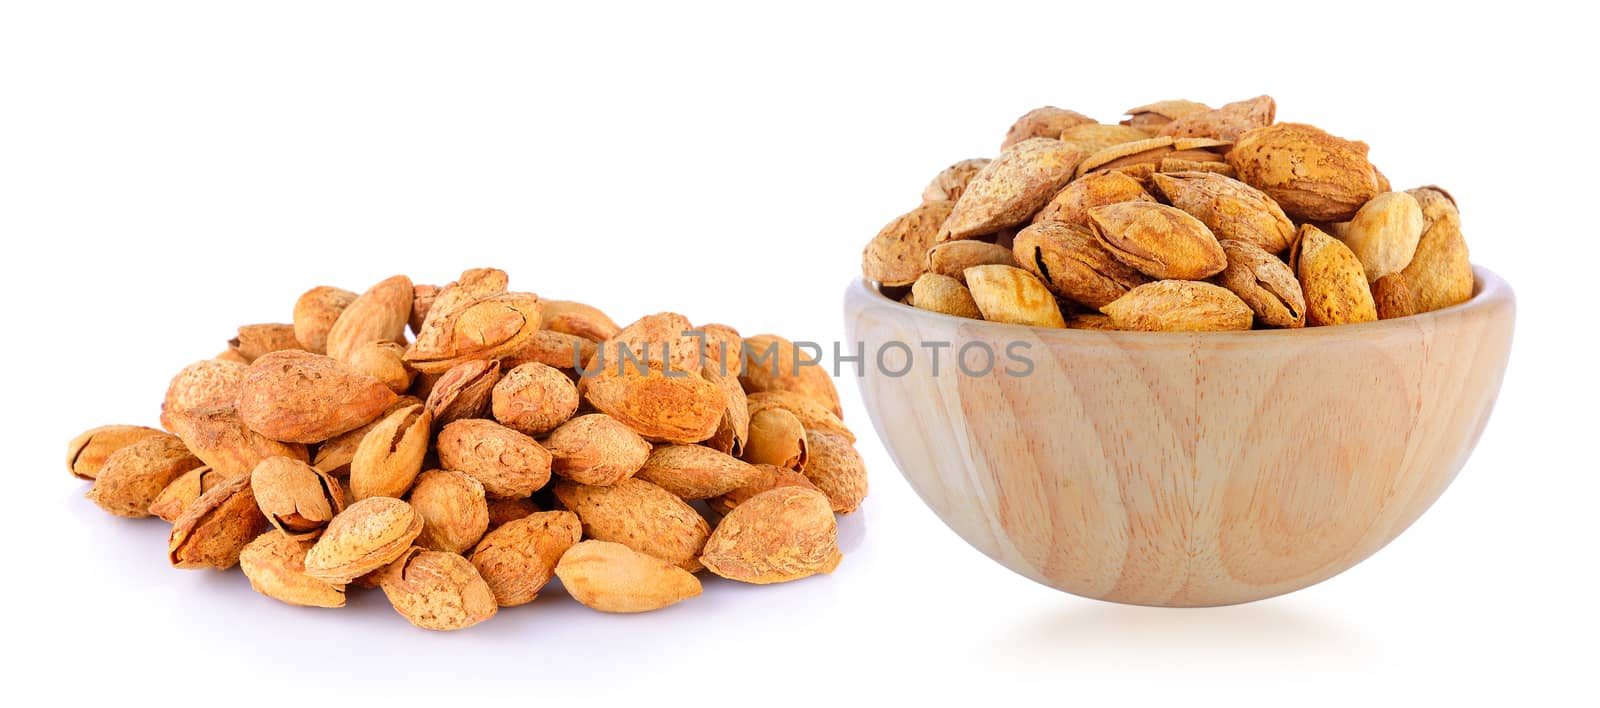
(276, 567)
(1073, 264)
(1265, 283)
(300, 397)
(1160, 241)
(257, 340)
(437, 590)
(776, 438)
(812, 415)
(1091, 138)
(1153, 116)
(640, 515)
(953, 258)
(465, 391)
(88, 452)
(519, 558)
(299, 500)
(1335, 286)
(1230, 208)
(212, 531)
(784, 534)
(611, 577)
(1312, 175)
(1179, 306)
(1440, 273)
(391, 454)
(1008, 190)
(364, 537)
(182, 492)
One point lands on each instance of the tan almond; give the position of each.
(812, 415)
(221, 440)
(948, 185)
(519, 558)
(300, 397)
(465, 391)
(1091, 138)
(1265, 283)
(134, 476)
(898, 254)
(533, 399)
(299, 500)
(694, 471)
(335, 455)
(212, 531)
(257, 340)
(641, 515)
(276, 567)
(596, 449)
(182, 492)
(610, 577)
(784, 534)
(1008, 191)
(1160, 241)
(1392, 297)
(1313, 175)
(504, 511)
(1440, 272)
(1230, 208)
(1384, 233)
(454, 510)
(203, 385)
(1073, 202)
(366, 536)
(1179, 306)
(391, 455)
(87, 453)
(577, 319)
(773, 363)
(776, 438)
(437, 590)
(1225, 123)
(1152, 117)
(1043, 122)
(508, 463)
(1073, 264)
(385, 362)
(836, 468)
(1013, 296)
(944, 294)
(952, 259)
(314, 315)
(377, 315)
(1335, 285)
(767, 477)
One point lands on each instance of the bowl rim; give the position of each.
(1488, 288)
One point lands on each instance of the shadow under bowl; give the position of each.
(1181, 469)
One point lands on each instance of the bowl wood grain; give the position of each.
(1183, 469)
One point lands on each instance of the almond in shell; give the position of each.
(1265, 283)
(948, 185)
(1312, 175)
(1335, 285)
(1225, 123)
(221, 440)
(1013, 296)
(437, 590)
(391, 454)
(784, 534)
(87, 453)
(577, 319)
(767, 477)
(898, 254)
(944, 294)
(1230, 208)
(1160, 241)
(257, 340)
(1384, 233)
(508, 463)
(1073, 264)
(377, 315)
(1043, 122)
(182, 492)
(212, 531)
(276, 567)
(1073, 202)
(454, 510)
(953, 258)
(694, 471)
(1179, 306)
(366, 536)
(596, 449)
(837, 470)
(300, 397)
(611, 577)
(533, 399)
(134, 476)
(314, 315)
(1440, 273)
(772, 363)
(298, 499)
(640, 515)
(519, 558)
(1008, 191)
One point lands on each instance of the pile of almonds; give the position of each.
(1181, 218)
(330, 453)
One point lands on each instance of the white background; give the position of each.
(169, 171)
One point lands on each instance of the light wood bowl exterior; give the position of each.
(1180, 469)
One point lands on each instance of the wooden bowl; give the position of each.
(1182, 469)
